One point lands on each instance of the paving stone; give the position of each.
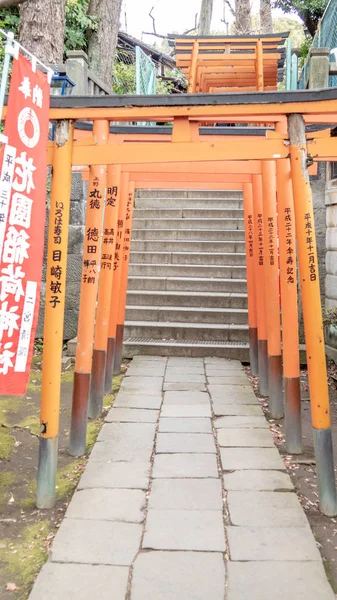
(184, 386)
(244, 422)
(256, 581)
(223, 362)
(168, 443)
(124, 442)
(132, 415)
(258, 481)
(116, 475)
(185, 530)
(232, 394)
(184, 398)
(182, 361)
(171, 376)
(224, 369)
(139, 371)
(249, 438)
(196, 425)
(82, 582)
(108, 505)
(115, 432)
(237, 410)
(96, 542)
(272, 543)
(265, 509)
(185, 465)
(193, 369)
(178, 576)
(129, 400)
(251, 458)
(186, 411)
(149, 385)
(186, 494)
(233, 379)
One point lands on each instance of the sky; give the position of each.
(170, 15)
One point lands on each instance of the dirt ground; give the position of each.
(26, 533)
(302, 469)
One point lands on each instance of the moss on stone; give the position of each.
(6, 444)
(7, 479)
(93, 430)
(67, 479)
(108, 400)
(24, 557)
(116, 383)
(32, 423)
(68, 376)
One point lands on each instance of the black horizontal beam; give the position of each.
(184, 100)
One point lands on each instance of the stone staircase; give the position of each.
(187, 291)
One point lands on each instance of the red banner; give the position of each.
(22, 222)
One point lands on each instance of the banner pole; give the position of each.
(54, 316)
(4, 77)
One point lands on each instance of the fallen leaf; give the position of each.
(11, 587)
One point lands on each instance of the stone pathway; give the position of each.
(185, 497)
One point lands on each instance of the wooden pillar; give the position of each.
(251, 287)
(259, 260)
(193, 69)
(312, 315)
(259, 67)
(104, 291)
(289, 305)
(88, 297)
(56, 272)
(272, 288)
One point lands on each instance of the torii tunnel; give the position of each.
(278, 137)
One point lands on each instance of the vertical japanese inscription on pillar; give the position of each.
(250, 236)
(291, 266)
(271, 241)
(92, 237)
(127, 231)
(310, 246)
(109, 233)
(260, 238)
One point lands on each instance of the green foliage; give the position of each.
(9, 21)
(125, 78)
(310, 11)
(295, 28)
(305, 47)
(78, 25)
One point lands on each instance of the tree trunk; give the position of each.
(266, 21)
(243, 18)
(42, 29)
(102, 43)
(205, 17)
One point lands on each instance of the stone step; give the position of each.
(188, 258)
(188, 234)
(162, 212)
(209, 224)
(204, 194)
(152, 347)
(187, 284)
(186, 331)
(220, 203)
(187, 246)
(205, 271)
(216, 300)
(187, 314)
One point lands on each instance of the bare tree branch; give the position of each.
(195, 26)
(153, 21)
(164, 37)
(9, 3)
(230, 7)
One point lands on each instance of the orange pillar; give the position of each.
(88, 297)
(193, 68)
(259, 66)
(272, 288)
(251, 288)
(124, 278)
(104, 291)
(259, 260)
(289, 305)
(114, 301)
(54, 314)
(312, 315)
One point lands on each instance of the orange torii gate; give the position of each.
(283, 155)
(230, 63)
